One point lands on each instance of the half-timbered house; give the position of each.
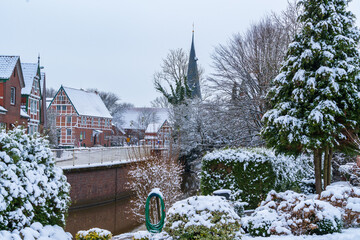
(158, 135)
(82, 118)
(31, 95)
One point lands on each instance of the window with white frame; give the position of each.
(68, 119)
(12, 95)
(68, 132)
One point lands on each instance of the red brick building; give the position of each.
(82, 118)
(11, 83)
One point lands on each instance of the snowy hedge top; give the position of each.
(287, 166)
(244, 154)
(198, 210)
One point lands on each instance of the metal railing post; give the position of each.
(74, 157)
(102, 155)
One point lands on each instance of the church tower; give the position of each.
(193, 74)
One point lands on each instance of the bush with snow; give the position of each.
(163, 172)
(36, 231)
(291, 213)
(202, 217)
(32, 188)
(252, 173)
(94, 234)
(347, 200)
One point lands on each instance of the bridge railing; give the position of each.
(98, 155)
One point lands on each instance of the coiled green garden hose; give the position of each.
(154, 228)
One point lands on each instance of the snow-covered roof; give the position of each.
(153, 127)
(23, 114)
(2, 109)
(29, 73)
(87, 103)
(132, 115)
(7, 65)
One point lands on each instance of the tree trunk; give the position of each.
(326, 162)
(317, 165)
(330, 156)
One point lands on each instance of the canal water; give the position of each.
(111, 216)
(115, 216)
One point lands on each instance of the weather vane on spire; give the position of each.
(193, 27)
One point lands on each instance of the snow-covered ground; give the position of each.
(346, 234)
(37, 231)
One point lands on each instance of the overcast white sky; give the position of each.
(117, 45)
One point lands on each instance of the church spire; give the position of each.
(193, 74)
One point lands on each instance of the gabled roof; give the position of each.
(87, 103)
(29, 72)
(153, 127)
(7, 65)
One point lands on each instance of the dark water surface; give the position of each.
(111, 216)
(115, 216)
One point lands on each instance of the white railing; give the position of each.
(98, 155)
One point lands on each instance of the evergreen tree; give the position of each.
(315, 100)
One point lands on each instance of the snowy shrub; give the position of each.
(252, 173)
(94, 234)
(291, 213)
(307, 186)
(36, 231)
(202, 217)
(351, 172)
(347, 200)
(32, 188)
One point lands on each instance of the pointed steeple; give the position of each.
(193, 74)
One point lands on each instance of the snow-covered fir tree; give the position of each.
(315, 99)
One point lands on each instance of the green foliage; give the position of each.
(261, 230)
(202, 217)
(326, 226)
(219, 231)
(179, 93)
(251, 173)
(94, 234)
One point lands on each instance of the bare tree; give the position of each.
(245, 67)
(50, 92)
(160, 102)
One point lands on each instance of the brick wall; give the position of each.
(95, 185)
